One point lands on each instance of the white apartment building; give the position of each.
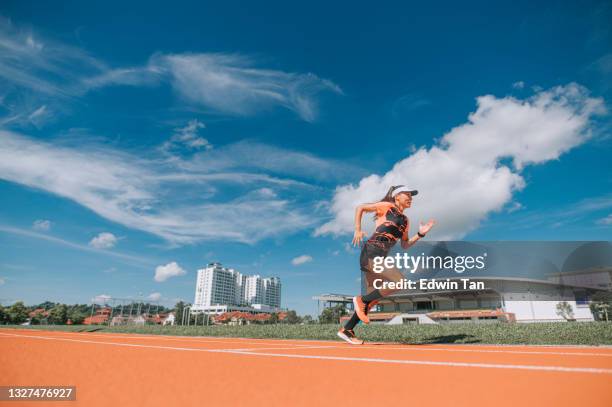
(253, 289)
(220, 288)
(272, 291)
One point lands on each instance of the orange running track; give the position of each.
(114, 370)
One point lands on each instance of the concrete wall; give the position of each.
(542, 311)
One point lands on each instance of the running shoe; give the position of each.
(348, 335)
(361, 309)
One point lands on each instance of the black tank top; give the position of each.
(390, 231)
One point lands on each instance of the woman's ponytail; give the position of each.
(389, 196)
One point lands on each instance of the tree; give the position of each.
(17, 313)
(38, 319)
(76, 315)
(273, 318)
(564, 309)
(58, 314)
(307, 319)
(3, 315)
(47, 305)
(293, 318)
(178, 309)
(600, 310)
(332, 315)
(601, 306)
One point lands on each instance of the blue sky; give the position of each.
(136, 138)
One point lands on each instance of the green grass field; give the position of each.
(562, 333)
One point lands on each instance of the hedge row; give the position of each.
(561, 333)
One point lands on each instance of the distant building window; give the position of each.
(425, 305)
(582, 298)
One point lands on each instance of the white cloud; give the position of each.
(263, 157)
(226, 83)
(518, 85)
(101, 299)
(515, 206)
(301, 260)
(42, 66)
(175, 199)
(464, 178)
(230, 83)
(605, 221)
(39, 77)
(39, 116)
(266, 193)
(134, 260)
(154, 296)
(162, 273)
(104, 240)
(42, 225)
(187, 137)
(32, 43)
(568, 213)
(2, 281)
(148, 76)
(109, 270)
(53, 73)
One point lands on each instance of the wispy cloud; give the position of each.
(465, 178)
(263, 157)
(301, 260)
(407, 103)
(572, 213)
(227, 83)
(605, 221)
(154, 296)
(51, 73)
(177, 200)
(38, 76)
(40, 116)
(187, 137)
(77, 246)
(42, 225)
(101, 299)
(602, 67)
(171, 200)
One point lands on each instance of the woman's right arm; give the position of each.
(375, 207)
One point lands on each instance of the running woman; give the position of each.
(391, 225)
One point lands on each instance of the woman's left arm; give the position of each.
(423, 230)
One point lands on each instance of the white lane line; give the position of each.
(300, 348)
(434, 363)
(525, 352)
(127, 336)
(138, 345)
(350, 359)
(424, 348)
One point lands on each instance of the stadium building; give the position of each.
(220, 289)
(532, 292)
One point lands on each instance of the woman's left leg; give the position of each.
(363, 303)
